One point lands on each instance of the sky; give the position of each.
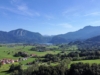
(49, 17)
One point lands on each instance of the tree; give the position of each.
(0, 64)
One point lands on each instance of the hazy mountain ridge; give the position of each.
(94, 39)
(82, 34)
(5, 37)
(20, 36)
(25, 36)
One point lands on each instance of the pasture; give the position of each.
(88, 61)
(8, 52)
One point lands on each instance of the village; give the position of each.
(11, 61)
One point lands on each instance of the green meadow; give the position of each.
(4, 51)
(8, 52)
(88, 61)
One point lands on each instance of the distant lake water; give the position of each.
(47, 43)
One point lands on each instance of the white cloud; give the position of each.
(66, 25)
(93, 14)
(95, 23)
(16, 11)
(21, 8)
(49, 17)
(70, 11)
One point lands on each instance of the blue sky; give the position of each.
(49, 17)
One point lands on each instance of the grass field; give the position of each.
(5, 50)
(88, 61)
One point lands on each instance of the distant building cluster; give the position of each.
(11, 61)
(8, 61)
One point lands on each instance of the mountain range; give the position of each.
(89, 33)
(22, 36)
(82, 34)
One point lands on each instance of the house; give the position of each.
(24, 58)
(33, 55)
(7, 61)
(12, 61)
(3, 62)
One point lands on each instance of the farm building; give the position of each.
(7, 61)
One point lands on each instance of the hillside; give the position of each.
(94, 39)
(22, 36)
(27, 36)
(5, 37)
(82, 34)
(88, 44)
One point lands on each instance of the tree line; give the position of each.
(61, 69)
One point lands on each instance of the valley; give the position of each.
(22, 50)
(29, 55)
(25, 36)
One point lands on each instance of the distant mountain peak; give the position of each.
(25, 36)
(20, 29)
(89, 26)
(82, 34)
(19, 32)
